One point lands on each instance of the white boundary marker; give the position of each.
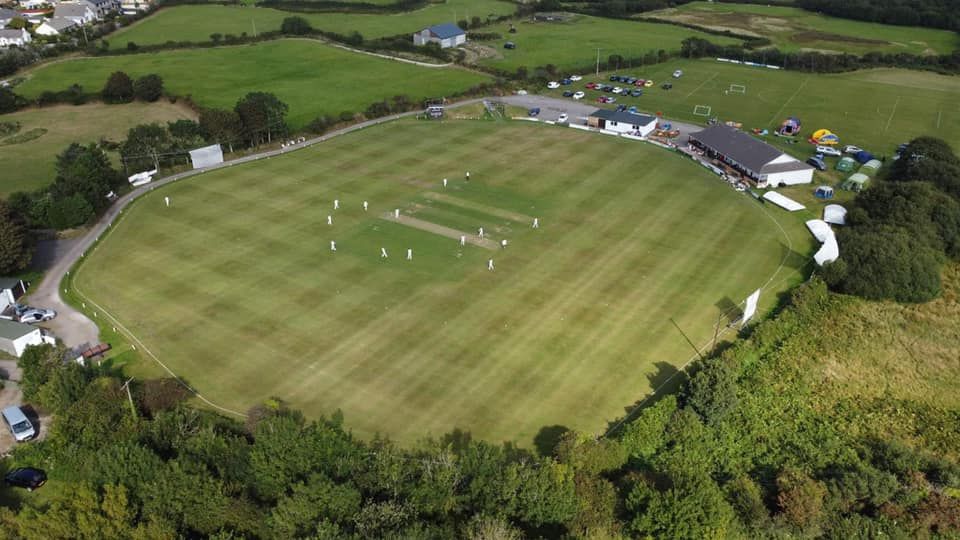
(894, 111)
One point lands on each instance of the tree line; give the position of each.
(943, 14)
(902, 231)
(746, 448)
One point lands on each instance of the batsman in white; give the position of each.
(463, 240)
(503, 243)
(409, 254)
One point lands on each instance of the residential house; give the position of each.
(446, 34)
(16, 337)
(55, 26)
(14, 38)
(78, 12)
(101, 8)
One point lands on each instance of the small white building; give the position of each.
(764, 164)
(639, 125)
(446, 34)
(132, 7)
(16, 337)
(55, 26)
(11, 289)
(14, 38)
(78, 12)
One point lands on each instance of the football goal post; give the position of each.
(701, 110)
(738, 89)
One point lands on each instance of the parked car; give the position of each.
(562, 118)
(26, 477)
(851, 149)
(828, 150)
(631, 80)
(602, 99)
(509, 45)
(640, 82)
(35, 315)
(621, 108)
(611, 99)
(636, 93)
(19, 424)
(534, 111)
(648, 83)
(614, 78)
(666, 86)
(677, 74)
(616, 89)
(591, 85)
(553, 84)
(567, 93)
(817, 163)
(575, 77)
(578, 95)
(632, 109)
(521, 92)
(566, 82)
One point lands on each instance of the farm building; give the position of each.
(446, 34)
(623, 122)
(765, 164)
(15, 337)
(11, 290)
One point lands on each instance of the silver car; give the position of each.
(34, 315)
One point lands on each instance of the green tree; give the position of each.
(144, 146)
(220, 126)
(646, 434)
(297, 26)
(16, 246)
(747, 500)
(118, 89)
(800, 498)
(36, 365)
(262, 115)
(148, 88)
(87, 171)
(68, 212)
(9, 101)
(712, 390)
(318, 498)
(695, 509)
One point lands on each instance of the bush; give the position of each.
(297, 26)
(148, 88)
(119, 88)
(69, 212)
(157, 395)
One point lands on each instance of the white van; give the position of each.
(18, 423)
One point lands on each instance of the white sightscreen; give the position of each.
(751, 307)
(206, 156)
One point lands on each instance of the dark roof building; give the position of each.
(446, 30)
(624, 116)
(445, 35)
(763, 163)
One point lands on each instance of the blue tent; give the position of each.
(863, 156)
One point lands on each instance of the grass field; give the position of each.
(793, 29)
(902, 104)
(197, 22)
(312, 78)
(236, 289)
(574, 42)
(30, 165)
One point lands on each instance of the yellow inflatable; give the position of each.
(824, 136)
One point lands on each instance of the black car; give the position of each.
(666, 86)
(631, 80)
(817, 163)
(26, 477)
(615, 78)
(568, 94)
(636, 93)
(509, 45)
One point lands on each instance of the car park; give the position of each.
(562, 118)
(19, 424)
(828, 151)
(578, 95)
(567, 93)
(553, 84)
(636, 93)
(817, 163)
(851, 149)
(26, 477)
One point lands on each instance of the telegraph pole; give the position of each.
(598, 61)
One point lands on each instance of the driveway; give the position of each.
(11, 395)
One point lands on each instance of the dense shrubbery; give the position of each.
(900, 232)
(746, 450)
(931, 13)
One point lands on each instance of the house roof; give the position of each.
(70, 10)
(745, 150)
(12, 34)
(8, 283)
(624, 116)
(446, 30)
(13, 330)
(99, 3)
(59, 23)
(7, 13)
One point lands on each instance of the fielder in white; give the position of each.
(503, 243)
(167, 200)
(490, 265)
(468, 176)
(480, 233)
(463, 240)
(409, 254)
(383, 253)
(329, 220)
(396, 213)
(336, 204)
(365, 206)
(444, 182)
(536, 223)
(333, 246)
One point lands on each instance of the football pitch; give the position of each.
(236, 289)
